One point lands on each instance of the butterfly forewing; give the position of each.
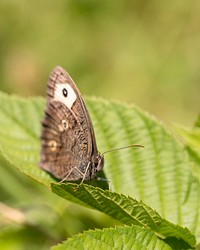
(68, 140)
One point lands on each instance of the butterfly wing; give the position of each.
(68, 140)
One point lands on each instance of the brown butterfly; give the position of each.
(69, 151)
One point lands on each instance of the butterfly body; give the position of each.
(69, 150)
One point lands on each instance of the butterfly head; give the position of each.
(98, 164)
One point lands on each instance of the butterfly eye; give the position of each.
(65, 93)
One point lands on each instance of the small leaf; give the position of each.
(191, 139)
(191, 136)
(197, 123)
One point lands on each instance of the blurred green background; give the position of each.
(146, 52)
(142, 52)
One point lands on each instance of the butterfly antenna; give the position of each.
(130, 146)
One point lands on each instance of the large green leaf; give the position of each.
(20, 132)
(116, 238)
(160, 175)
(124, 209)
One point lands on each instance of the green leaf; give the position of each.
(191, 136)
(191, 139)
(160, 175)
(20, 132)
(197, 123)
(115, 238)
(124, 209)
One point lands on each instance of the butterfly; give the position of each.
(69, 150)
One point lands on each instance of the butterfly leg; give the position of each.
(65, 178)
(84, 175)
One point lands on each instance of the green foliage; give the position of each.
(124, 209)
(117, 238)
(160, 175)
(191, 137)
